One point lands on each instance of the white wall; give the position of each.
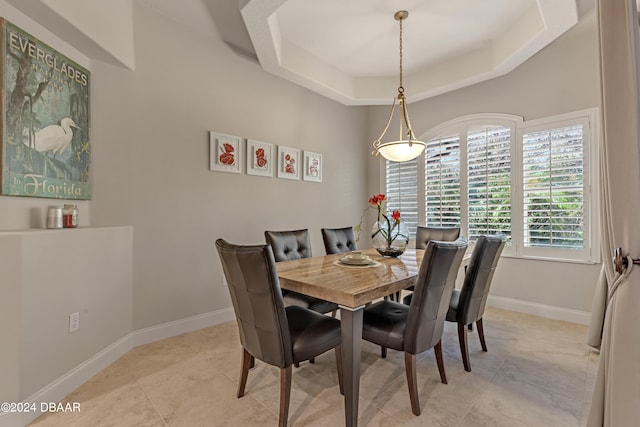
(561, 78)
(46, 276)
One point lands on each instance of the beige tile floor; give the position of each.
(538, 372)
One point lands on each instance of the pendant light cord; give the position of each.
(401, 87)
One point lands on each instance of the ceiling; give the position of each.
(348, 50)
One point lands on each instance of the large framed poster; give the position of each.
(44, 119)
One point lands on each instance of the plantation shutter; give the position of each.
(489, 181)
(442, 182)
(402, 192)
(553, 202)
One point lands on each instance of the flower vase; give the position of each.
(390, 239)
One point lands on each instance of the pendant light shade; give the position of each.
(406, 147)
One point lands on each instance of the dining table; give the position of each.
(352, 287)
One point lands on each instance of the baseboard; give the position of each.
(182, 326)
(542, 310)
(62, 386)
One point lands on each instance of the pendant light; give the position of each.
(403, 149)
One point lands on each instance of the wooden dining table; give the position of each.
(351, 287)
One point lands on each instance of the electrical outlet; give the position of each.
(74, 322)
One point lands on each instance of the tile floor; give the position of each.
(538, 372)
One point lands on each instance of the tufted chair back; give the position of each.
(477, 281)
(257, 301)
(430, 302)
(288, 245)
(339, 240)
(426, 234)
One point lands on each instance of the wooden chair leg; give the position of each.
(464, 351)
(481, 334)
(244, 371)
(285, 395)
(412, 382)
(338, 352)
(383, 352)
(437, 349)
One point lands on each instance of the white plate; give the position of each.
(356, 261)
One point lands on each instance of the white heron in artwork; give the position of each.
(54, 138)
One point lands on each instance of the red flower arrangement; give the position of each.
(388, 226)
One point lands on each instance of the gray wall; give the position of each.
(151, 159)
(561, 78)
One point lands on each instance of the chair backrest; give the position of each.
(257, 301)
(339, 240)
(477, 281)
(425, 234)
(432, 293)
(288, 245)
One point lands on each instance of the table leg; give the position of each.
(351, 328)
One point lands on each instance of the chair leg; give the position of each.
(481, 334)
(338, 352)
(437, 349)
(244, 371)
(464, 351)
(383, 352)
(285, 395)
(412, 381)
(312, 360)
(252, 364)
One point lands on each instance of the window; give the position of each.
(402, 191)
(531, 181)
(442, 182)
(489, 181)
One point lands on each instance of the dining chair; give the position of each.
(290, 245)
(467, 304)
(426, 234)
(279, 336)
(418, 327)
(338, 240)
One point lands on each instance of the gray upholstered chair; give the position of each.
(290, 245)
(339, 240)
(467, 304)
(269, 331)
(418, 327)
(426, 234)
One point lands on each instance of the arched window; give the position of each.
(496, 173)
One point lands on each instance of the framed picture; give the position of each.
(288, 163)
(259, 158)
(312, 166)
(46, 147)
(224, 152)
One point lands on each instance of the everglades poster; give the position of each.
(45, 120)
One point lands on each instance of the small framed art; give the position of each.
(259, 158)
(224, 152)
(312, 166)
(288, 163)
